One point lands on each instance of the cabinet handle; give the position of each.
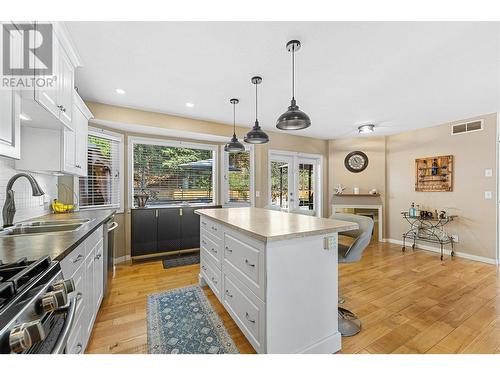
(249, 264)
(79, 348)
(215, 281)
(213, 250)
(156, 213)
(204, 223)
(203, 268)
(248, 318)
(98, 256)
(78, 258)
(214, 228)
(79, 296)
(203, 242)
(229, 294)
(228, 249)
(180, 211)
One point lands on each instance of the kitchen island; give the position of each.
(276, 274)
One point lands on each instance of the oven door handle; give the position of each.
(113, 226)
(62, 340)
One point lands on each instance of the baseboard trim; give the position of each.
(122, 259)
(434, 249)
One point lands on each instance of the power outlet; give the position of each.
(329, 243)
(455, 238)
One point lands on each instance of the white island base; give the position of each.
(279, 284)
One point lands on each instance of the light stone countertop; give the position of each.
(268, 225)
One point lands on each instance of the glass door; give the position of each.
(306, 184)
(281, 181)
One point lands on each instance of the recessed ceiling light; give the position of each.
(368, 128)
(120, 91)
(189, 105)
(24, 117)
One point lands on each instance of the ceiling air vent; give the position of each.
(467, 127)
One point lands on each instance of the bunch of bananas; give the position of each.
(59, 207)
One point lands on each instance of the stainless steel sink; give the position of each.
(44, 227)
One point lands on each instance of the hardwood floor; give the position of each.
(408, 303)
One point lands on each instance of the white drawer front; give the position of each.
(211, 247)
(74, 260)
(246, 309)
(211, 274)
(246, 261)
(211, 227)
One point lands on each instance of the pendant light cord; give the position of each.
(293, 72)
(234, 119)
(256, 102)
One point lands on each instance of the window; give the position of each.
(102, 187)
(173, 172)
(238, 177)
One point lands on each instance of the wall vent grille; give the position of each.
(467, 127)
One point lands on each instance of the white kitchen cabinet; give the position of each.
(10, 109)
(85, 265)
(54, 150)
(51, 106)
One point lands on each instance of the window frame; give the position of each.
(225, 180)
(132, 140)
(117, 137)
(297, 158)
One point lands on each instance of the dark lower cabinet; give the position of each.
(160, 230)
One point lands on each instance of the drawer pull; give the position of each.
(204, 223)
(214, 228)
(78, 258)
(79, 348)
(228, 249)
(98, 256)
(203, 242)
(229, 294)
(215, 251)
(249, 264)
(215, 281)
(203, 268)
(248, 318)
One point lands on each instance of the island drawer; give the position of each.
(211, 227)
(211, 274)
(246, 309)
(246, 260)
(212, 253)
(212, 245)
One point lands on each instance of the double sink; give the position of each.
(44, 227)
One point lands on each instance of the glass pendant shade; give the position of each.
(293, 118)
(234, 145)
(256, 135)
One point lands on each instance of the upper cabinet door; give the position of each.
(65, 90)
(10, 109)
(47, 97)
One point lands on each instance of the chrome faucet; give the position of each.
(9, 208)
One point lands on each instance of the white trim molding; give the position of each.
(433, 249)
(224, 181)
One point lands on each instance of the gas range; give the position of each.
(36, 311)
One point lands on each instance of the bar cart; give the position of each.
(428, 229)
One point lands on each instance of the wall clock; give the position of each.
(356, 161)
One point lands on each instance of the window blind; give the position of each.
(173, 174)
(101, 187)
(239, 177)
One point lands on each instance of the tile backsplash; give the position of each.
(27, 206)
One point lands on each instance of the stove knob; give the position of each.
(25, 336)
(67, 285)
(53, 300)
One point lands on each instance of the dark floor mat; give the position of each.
(181, 260)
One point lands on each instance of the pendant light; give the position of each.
(293, 118)
(256, 135)
(234, 145)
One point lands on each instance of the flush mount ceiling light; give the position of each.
(256, 135)
(368, 128)
(234, 145)
(191, 105)
(120, 91)
(293, 118)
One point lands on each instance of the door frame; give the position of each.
(296, 157)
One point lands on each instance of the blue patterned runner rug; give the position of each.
(183, 321)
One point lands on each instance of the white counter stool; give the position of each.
(349, 323)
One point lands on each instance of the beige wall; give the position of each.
(373, 177)
(278, 141)
(473, 153)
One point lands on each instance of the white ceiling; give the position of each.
(400, 76)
